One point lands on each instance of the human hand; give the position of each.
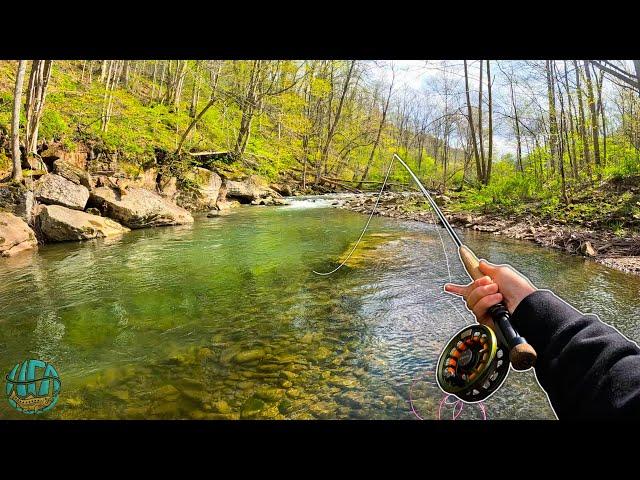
(501, 283)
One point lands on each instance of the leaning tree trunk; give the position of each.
(16, 174)
(379, 133)
(212, 100)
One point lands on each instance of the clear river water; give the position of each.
(225, 319)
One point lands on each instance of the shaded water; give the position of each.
(225, 319)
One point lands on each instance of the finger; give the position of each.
(486, 280)
(456, 289)
(488, 268)
(485, 303)
(478, 293)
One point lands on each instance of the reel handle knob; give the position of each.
(522, 355)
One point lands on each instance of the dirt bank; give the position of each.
(621, 253)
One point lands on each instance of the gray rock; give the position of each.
(72, 173)
(60, 224)
(139, 208)
(15, 235)
(205, 195)
(53, 189)
(248, 190)
(17, 199)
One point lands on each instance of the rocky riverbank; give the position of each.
(70, 197)
(600, 245)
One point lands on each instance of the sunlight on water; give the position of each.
(225, 319)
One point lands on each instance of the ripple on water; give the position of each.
(225, 319)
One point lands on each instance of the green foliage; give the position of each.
(53, 126)
(5, 162)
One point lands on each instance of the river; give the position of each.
(226, 319)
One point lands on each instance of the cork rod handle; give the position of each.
(521, 354)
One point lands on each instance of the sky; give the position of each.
(416, 73)
(421, 74)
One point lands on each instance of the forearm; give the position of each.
(587, 367)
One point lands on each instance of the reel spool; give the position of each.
(473, 365)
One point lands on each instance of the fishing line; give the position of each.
(458, 405)
(364, 230)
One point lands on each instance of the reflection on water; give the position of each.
(225, 319)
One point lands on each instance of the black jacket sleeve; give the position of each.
(587, 368)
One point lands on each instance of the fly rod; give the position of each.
(521, 354)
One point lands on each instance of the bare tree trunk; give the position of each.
(378, 134)
(333, 124)
(212, 100)
(600, 110)
(490, 158)
(480, 130)
(594, 116)
(181, 70)
(103, 70)
(36, 94)
(16, 173)
(125, 74)
(471, 127)
(583, 129)
(573, 156)
(153, 80)
(195, 93)
(248, 109)
(553, 121)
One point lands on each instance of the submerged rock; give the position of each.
(60, 224)
(53, 189)
(15, 235)
(139, 208)
(249, 355)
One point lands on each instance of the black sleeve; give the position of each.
(587, 367)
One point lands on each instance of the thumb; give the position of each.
(488, 268)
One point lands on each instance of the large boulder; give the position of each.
(15, 235)
(17, 199)
(138, 208)
(53, 189)
(146, 179)
(60, 224)
(205, 195)
(249, 190)
(72, 173)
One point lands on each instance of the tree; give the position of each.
(383, 118)
(593, 120)
(215, 76)
(16, 174)
(471, 126)
(490, 158)
(36, 94)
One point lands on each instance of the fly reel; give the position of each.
(473, 365)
